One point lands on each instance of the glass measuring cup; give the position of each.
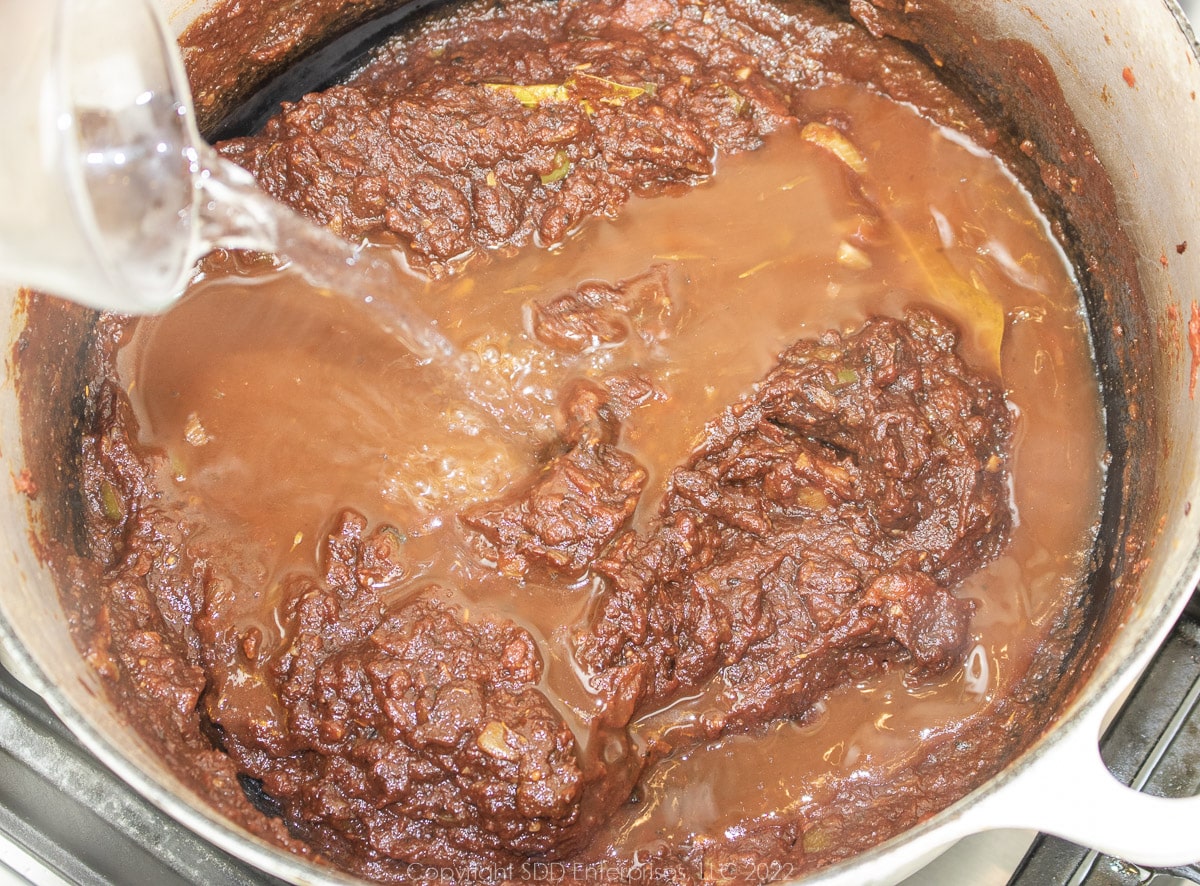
(98, 197)
(108, 194)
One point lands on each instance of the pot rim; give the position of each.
(1114, 676)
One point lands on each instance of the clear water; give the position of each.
(235, 214)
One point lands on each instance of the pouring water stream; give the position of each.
(235, 214)
(123, 197)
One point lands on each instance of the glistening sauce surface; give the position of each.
(275, 409)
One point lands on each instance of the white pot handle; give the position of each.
(1069, 792)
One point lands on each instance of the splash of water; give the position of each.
(237, 215)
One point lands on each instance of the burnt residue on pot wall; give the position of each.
(1055, 156)
(49, 358)
(60, 362)
(236, 54)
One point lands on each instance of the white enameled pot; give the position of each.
(1129, 74)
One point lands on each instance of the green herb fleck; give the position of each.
(110, 501)
(561, 168)
(740, 103)
(395, 537)
(533, 95)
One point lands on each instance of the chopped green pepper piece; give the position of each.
(110, 501)
(560, 170)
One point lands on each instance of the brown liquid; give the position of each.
(276, 408)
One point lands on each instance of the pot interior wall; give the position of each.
(1056, 158)
(1089, 101)
(1126, 201)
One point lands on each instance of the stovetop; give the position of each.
(66, 820)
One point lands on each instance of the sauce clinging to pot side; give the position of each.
(299, 493)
